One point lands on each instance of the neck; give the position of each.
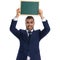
(30, 30)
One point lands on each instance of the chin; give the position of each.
(29, 28)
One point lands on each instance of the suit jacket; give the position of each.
(33, 46)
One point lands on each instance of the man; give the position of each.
(29, 38)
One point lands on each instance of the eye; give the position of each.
(31, 22)
(27, 22)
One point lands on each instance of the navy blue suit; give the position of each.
(33, 46)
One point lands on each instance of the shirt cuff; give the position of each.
(44, 19)
(15, 18)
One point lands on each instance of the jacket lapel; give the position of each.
(26, 35)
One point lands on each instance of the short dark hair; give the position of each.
(29, 17)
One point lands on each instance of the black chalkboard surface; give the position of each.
(29, 7)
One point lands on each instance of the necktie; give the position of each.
(30, 33)
(29, 37)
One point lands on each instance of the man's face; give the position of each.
(29, 24)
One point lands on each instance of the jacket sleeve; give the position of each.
(46, 29)
(13, 28)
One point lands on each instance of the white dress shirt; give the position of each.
(28, 57)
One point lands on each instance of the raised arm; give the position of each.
(14, 22)
(45, 24)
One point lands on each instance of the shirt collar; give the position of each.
(31, 30)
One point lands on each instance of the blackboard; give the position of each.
(29, 7)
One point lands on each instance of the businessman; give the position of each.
(29, 38)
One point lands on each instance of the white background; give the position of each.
(49, 45)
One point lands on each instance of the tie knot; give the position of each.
(29, 32)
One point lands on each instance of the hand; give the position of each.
(41, 13)
(18, 12)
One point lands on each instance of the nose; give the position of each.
(29, 24)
